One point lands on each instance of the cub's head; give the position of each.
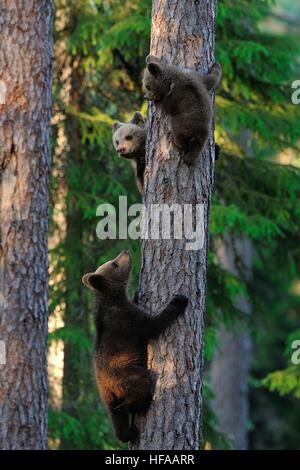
(155, 81)
(112, 276)
(129, 138)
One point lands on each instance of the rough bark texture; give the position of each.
(182, 34)
(25, 78)
(230, 367)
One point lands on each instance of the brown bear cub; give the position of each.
(129, 140)
(123, 331)
(184, 96)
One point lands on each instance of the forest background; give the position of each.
(100, 47)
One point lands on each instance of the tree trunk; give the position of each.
(25, 98)
(231, 364)
(182, 34)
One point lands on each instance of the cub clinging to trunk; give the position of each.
(129, 140)
(184, 96)
(123, 331)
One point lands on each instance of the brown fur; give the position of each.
(129, 141)
(184, 96)
(123, 331)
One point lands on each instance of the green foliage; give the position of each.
(72, 336)
(92, 86)
(284, 381)
(96, 434)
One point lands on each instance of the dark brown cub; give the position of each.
(123, 331)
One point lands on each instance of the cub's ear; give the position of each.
(151, 58)
(116, 125)
(96, 281)
(85, 280)
(92, 281)
(155, 69)
(138, 119)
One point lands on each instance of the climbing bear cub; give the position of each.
(129, 140)
(123, 331)
(184, 96)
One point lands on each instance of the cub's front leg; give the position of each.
(158, 324)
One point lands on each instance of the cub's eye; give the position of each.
(147, 87)
(117, 142)
(114, 264)
(128, 137)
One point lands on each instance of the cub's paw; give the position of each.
(216, 73)
(217, 151)
(188, 158)
(216, 68)
(136, 298)
(180, 302)
(151, 58)
(129, 435)
(133, 433)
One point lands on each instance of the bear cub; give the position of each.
(184, 96)
(129, 140)
(123, 331)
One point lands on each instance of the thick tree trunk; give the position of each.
(25, 97)
(231, 364)
(182, 34)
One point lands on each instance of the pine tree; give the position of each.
(26, 53)
(167, 266)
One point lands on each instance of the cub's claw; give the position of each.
(136, 298)
(180, 301)
(217, 151)
(133, 433)
(130, 435)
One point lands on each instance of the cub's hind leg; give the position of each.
(119, 415)
(195, 147)
(125, 431)
(191, 147)
(139, 389)
(181, 142)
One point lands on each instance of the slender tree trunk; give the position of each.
(25, 97)
(230, 367)
(182, 34)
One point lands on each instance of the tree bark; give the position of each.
(231, 364)
(183, 35)
(25, 99)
